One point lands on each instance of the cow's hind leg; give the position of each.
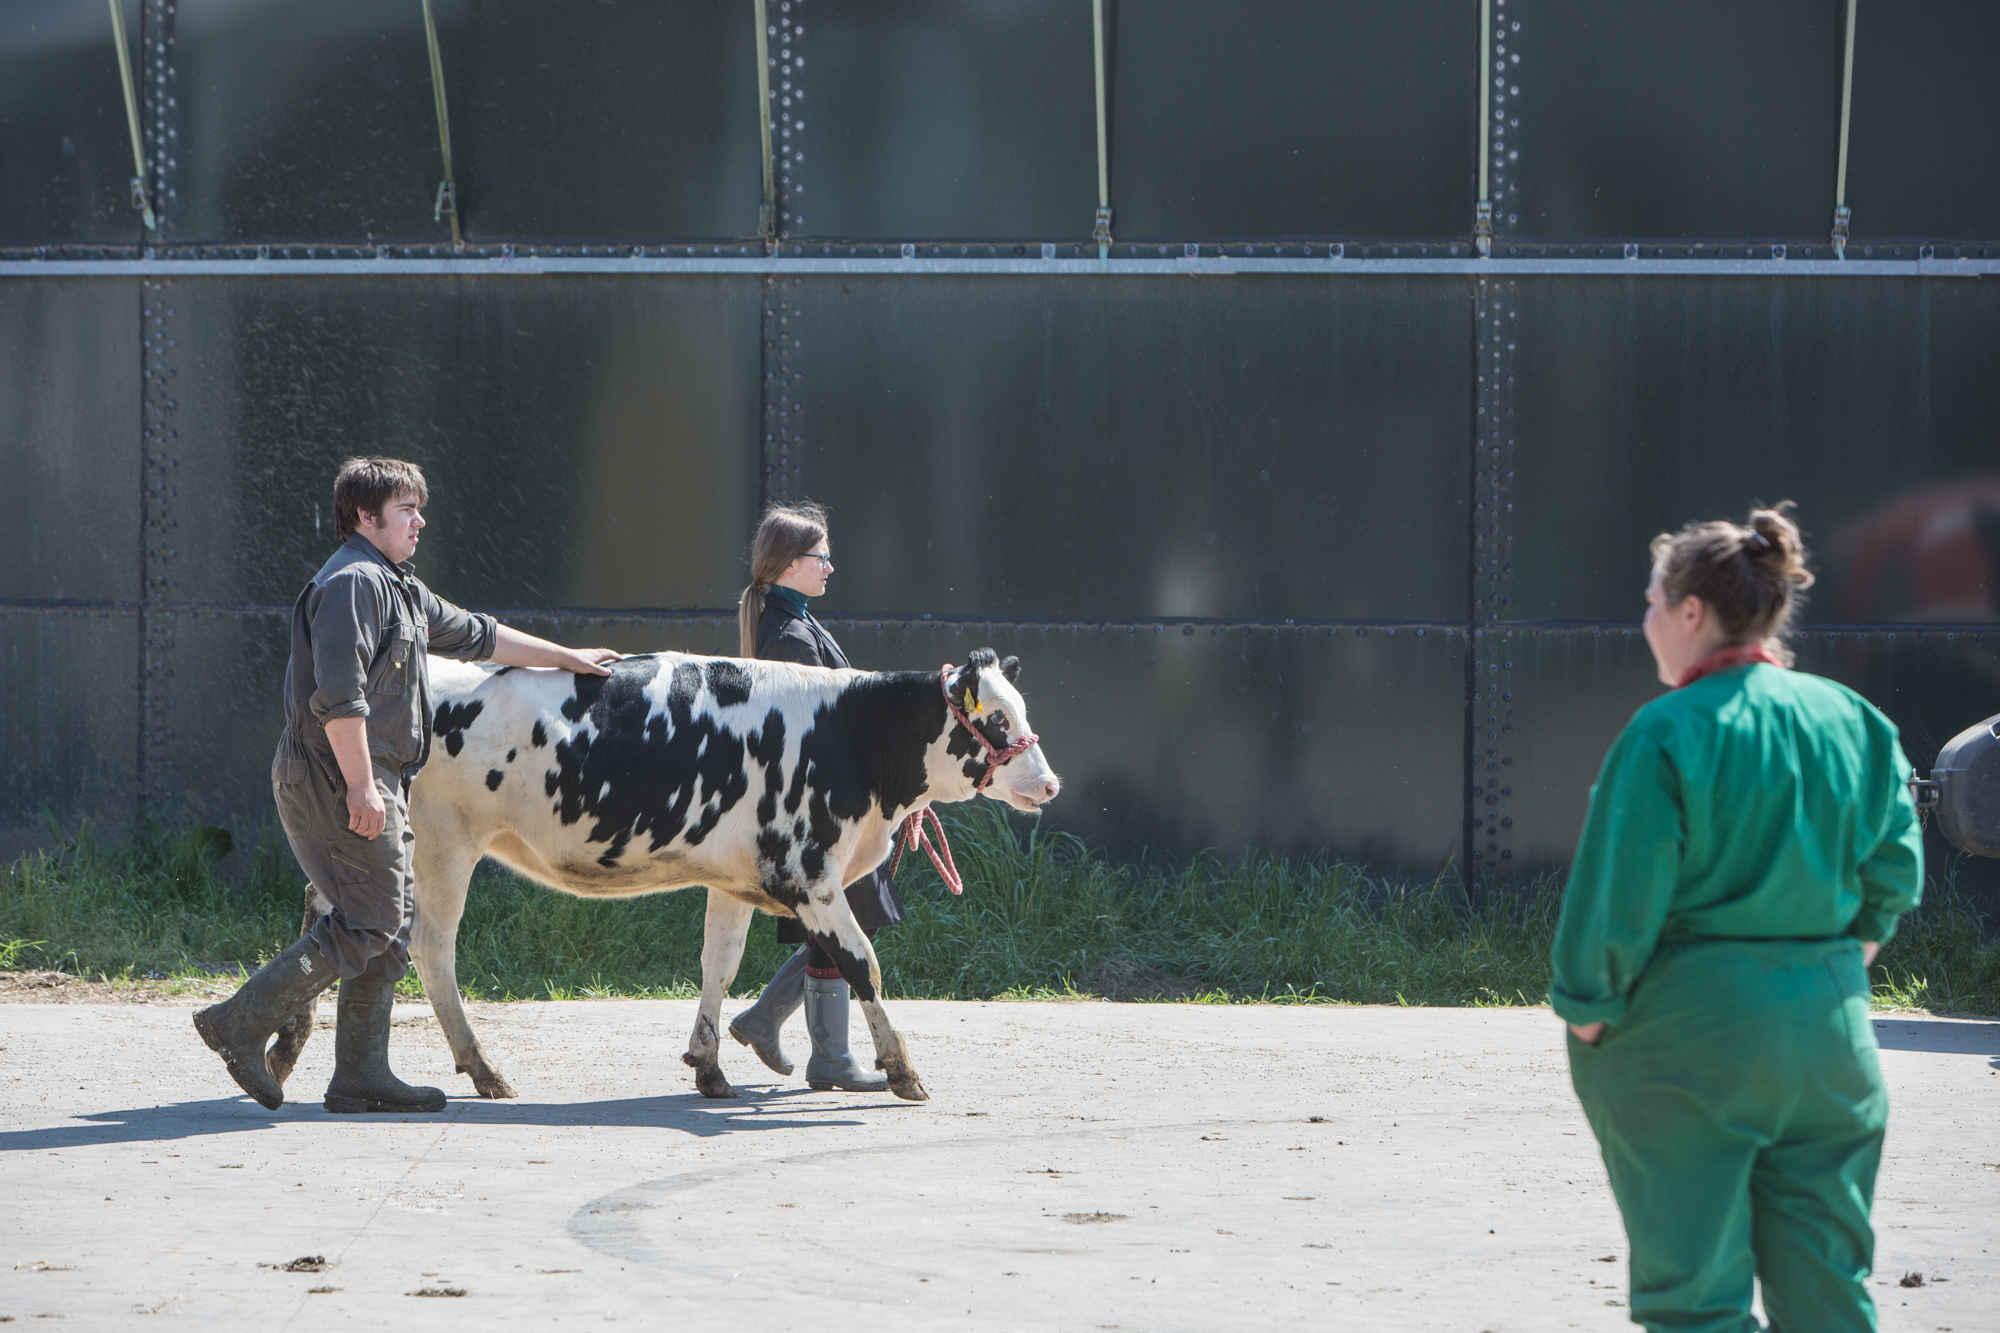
(727, 926)
(446, 857)
(284, 1054)
(835, 930)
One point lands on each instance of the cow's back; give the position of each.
(656, 777)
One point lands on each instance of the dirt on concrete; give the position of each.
(1141, 1167)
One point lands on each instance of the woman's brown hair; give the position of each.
(1749, 576)
(786, 532)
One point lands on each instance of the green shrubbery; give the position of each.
(1042, 916)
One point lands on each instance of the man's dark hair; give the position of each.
(366, 484)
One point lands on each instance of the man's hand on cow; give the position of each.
(366, 814)
(590, 661)
(1587, 1033)
(513, 648)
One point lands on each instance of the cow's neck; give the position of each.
(894, 720)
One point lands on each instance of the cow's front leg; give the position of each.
(827, 916)
(728, 925)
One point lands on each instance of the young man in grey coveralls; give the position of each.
(357, 730)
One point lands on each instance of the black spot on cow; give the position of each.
(589, 689)
(512, 753)
(493, 776)
(865, 750)
(539, 736)
(1010, 667)
(451, 722)
(767, 747)
(729, 682)
(853, 968)
(501, 671)
(639, 773)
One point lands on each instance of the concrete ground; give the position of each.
(1080, 1167)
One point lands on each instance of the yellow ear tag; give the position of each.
(977, 708)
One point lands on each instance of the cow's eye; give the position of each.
(1000, 721)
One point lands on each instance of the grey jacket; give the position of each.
(360, 631)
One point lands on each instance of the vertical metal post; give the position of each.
(1841, 215)
(1101, 232)
(447, 192)
(1482, 221)
(767, 212)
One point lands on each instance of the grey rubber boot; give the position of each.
(758, 1026)
(832, 1065)
(362, 1080)
(238, 1028)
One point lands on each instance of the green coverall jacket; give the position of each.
(1757, 803)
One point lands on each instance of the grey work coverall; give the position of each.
(360, 631)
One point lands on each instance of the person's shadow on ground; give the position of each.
(1939, 1036)
(689, 1113)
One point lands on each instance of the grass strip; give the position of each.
(1043, 917)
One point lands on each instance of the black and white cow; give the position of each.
(773, 785)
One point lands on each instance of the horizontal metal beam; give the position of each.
(691, 615)
(522, 266)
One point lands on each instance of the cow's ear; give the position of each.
(1010, 667)
(965, 688)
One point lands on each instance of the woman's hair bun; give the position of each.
(1750, 574)
(1772, 539)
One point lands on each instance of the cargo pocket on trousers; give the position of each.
(365, 895)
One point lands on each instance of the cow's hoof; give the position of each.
(491, 1086)
(709, 1079)
(909, 1088)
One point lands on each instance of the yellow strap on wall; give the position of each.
(767, 212)
(1841, 215)
(1101, 232)
(447, 193)
(139, 199)
(1482, 218)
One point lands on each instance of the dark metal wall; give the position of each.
(1314, 530)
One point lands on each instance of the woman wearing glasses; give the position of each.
(789, 564)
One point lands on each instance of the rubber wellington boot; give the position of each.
(239, 1027)
(361, 1077)
(758, 1026)
(832, 1065)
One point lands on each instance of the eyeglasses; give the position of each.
(825, 561)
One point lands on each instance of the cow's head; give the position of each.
(983, 692)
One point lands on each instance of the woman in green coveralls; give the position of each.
(1750, 844)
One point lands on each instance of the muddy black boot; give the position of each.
(361, 1077)
(757, 1027)
(239, 1027)
(832, 1065)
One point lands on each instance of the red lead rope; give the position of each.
(913, 834)
(940, 852)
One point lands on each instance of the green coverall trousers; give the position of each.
(1740, 1109)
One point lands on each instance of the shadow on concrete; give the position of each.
(690, 1113)
(1939, 1036)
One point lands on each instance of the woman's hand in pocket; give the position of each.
(1587, 1033)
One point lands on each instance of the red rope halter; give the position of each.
(914, 835)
